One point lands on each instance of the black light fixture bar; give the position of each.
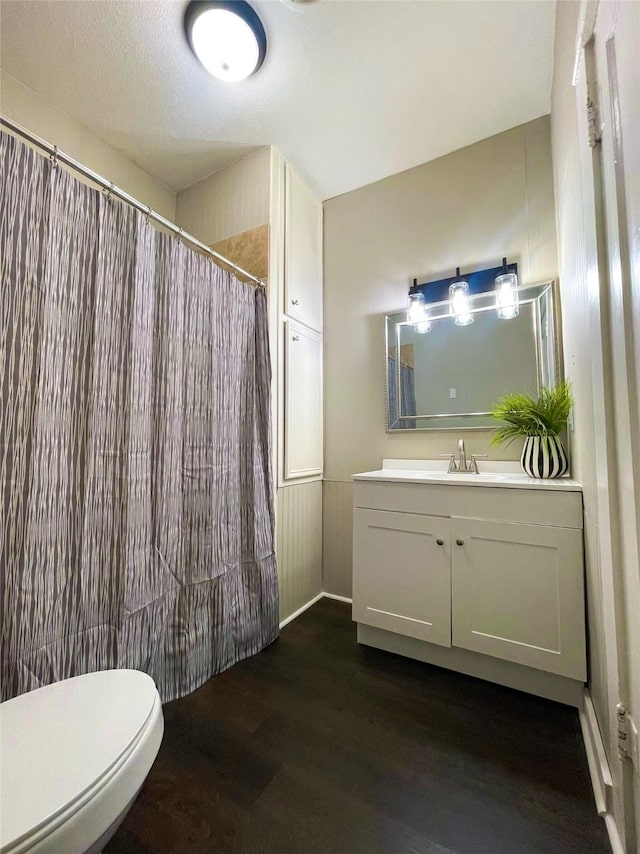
(479, 282)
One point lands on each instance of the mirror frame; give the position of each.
(483, 302)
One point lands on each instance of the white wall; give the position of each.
(229, 202)
(30, 110)
(573, 266)
(468, 209)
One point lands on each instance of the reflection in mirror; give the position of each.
(444, 376)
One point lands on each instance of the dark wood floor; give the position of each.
(320, 745)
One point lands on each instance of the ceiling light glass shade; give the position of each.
(417, 311)
(507, 300)
(227, 36)
(460, 303)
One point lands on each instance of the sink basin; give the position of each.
(445, 476)
(509, 475)
(483, 475)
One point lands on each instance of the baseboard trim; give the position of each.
(614, 837)
(301, 610)
(338, 598)
(311, 602)
(601, 779)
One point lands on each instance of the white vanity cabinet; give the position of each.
(482, 578)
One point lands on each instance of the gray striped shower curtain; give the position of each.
(136, 507)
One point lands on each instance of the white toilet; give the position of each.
(73, 756)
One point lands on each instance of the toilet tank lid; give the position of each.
(60, 740)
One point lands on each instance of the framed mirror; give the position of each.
(440, 376)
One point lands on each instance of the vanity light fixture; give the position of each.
(507, 300)
(459, 302)
(227, 36)
(460, 298)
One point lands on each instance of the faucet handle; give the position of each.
(452, 461)
(474, 461)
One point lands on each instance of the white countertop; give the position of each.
(492, 473)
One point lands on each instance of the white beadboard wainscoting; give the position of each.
(229, 202)
(337, 554)
(299, 545)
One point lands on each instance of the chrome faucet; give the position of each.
(462, 463)
(461, 466)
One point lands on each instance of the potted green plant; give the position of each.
(540, 421)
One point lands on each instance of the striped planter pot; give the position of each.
(544, 456)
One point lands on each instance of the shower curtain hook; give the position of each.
(179, 235)
(54, 157)
(148, 214)
(109, 191)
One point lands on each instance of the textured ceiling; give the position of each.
(350, 92)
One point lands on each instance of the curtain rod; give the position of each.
(61, 157)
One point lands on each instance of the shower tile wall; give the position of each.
(250, 250)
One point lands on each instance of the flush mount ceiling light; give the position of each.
(227, 36)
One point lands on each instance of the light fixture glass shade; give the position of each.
(460, 303)
(423, 326)
(507, 300)
(227, 37)
(417, 310)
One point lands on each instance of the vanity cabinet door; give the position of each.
(518, 594)
(402, 574)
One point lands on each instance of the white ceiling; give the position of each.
(351, 91)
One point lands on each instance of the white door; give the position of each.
(402, 574)
(608, 76)
(517, 593)
(303, 253)
(303, 455)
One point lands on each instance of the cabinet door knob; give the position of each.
(295, 338)
(460, 542)
(295, 302)
(440, 542)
